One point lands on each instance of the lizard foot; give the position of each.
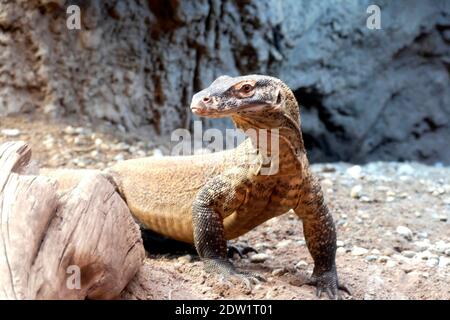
(240, 249)
(227, 270)
(328, 282)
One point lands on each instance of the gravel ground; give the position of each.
(393, 224)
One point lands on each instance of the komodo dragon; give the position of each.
(210, 198)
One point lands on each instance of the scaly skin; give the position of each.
(209, 199)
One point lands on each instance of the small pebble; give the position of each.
(301, 264)
(358, 251)
(121, 146)
(279, 272)
(98, 142)
(185, 259)
(328, 168)
(441, 246)
(94, 154)
(49, 142)
(356, 192)
(407, 268)
(79, 141)
(391, 264)
(327, 182)
(119, 157)
(438, 192)
(283, 243)
(423, 234)
(388, 251)
(354, 172)
(400, 258)
(390, 193)
(422, 245)
(258, 286)
(426, 255)
(405, 169)
(11, 132)
(259, 257)
(69, 130)
(363, 214)
(82, 131)
(371, 258)
(390, 199)
(432, 262)
(405, 232)
(444, 262)
(408, 253)
(340, 243)
(341, 250)
(375, 252)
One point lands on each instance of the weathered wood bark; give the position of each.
(82, 245)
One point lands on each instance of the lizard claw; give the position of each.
(252, 276)
(327, 282)
(240, 249)
(227, 271)
(248, 278)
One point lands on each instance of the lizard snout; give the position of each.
(199, 105)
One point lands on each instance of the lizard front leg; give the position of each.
(218, 197)
(320, 236)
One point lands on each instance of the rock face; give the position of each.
(366, 94)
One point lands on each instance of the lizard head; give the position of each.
(251, 101)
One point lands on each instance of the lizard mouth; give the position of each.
(203, 111)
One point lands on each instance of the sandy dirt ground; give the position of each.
(393, 223)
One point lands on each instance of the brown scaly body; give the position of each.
(208, 199)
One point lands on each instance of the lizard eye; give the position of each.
(246, 88)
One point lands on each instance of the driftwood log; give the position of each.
(83, 244)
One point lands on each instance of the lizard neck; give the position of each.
(277, 139)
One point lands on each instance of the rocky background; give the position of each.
(366, 94)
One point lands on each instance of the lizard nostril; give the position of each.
(206, 99)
